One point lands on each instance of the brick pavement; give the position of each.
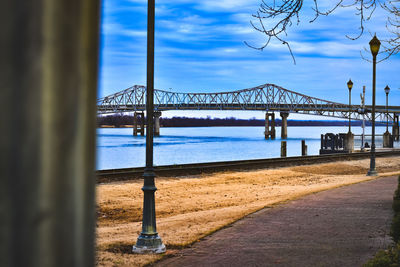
(339, 227)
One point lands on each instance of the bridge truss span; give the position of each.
(267, 97)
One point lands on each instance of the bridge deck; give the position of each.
(267, 97)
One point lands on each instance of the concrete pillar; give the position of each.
(266, 132)
(304, 147)
(135, 124)
(387, 140)
(284, 116)
(48, 73)
(273, 133)
(157, 115)
(349, 142)
(283, 149)
(138, 117)
(142, 124)
(269, 127)
(395, 128)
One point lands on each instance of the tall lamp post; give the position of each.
(374, 45)
(350, 86)
(387, 138)
(387, 90)
(149, 241)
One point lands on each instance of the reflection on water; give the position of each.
(118, 148)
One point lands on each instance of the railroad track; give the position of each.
(111, 175)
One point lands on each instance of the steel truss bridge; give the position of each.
(267, 97)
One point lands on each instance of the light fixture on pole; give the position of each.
(149, 241)
(350, 86)
(374, 45)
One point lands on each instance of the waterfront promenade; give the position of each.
(340, 227)
(191, 207)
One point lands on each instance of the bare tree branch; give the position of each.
(274, 17)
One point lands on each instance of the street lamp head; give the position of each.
(374, 45)
(387, 89)
(350, 85)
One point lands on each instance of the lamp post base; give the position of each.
(148, 245)
(372, 173)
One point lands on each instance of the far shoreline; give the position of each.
(201, 126)
(126, 121)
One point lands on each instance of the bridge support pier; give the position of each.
(157, 115)
(269, 127)
(395, 128)
(284, 116)
(136, 127)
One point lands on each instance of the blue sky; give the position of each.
(200, 48)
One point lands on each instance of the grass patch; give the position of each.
(119, 247)
(386, 258)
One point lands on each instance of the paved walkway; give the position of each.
(339, 227)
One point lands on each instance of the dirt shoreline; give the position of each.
(191, 207)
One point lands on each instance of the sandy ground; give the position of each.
(191, 207)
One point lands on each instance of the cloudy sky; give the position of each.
(200, 48)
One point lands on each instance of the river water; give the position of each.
(118, 148)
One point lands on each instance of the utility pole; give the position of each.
(363, 116)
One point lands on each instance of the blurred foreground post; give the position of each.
(48, 74)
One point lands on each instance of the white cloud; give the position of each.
(134, 33)
(196, 19)
(224, 5)
(110, 28)
(230, 50)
